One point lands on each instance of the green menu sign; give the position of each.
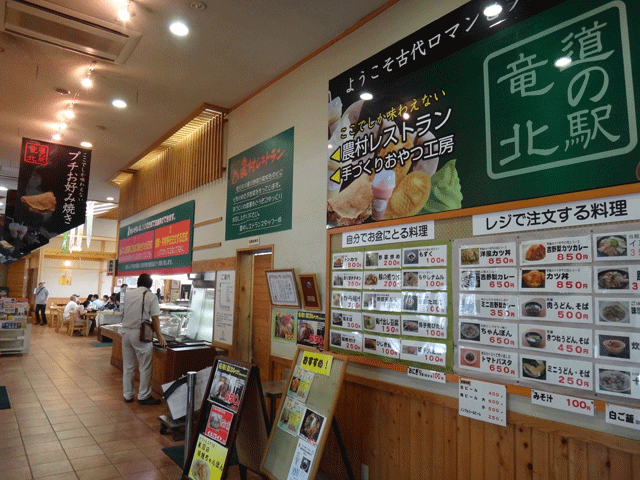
(259, 188)
(472, 110)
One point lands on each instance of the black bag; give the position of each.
(146, 327)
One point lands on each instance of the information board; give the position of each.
(305, 415)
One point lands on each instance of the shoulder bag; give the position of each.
(146, 327)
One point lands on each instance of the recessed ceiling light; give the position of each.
(366, 96)
(492, 10)
(179, 29)
(62, 126)
(86, 82)
(62, 91)
(85, 144)
(118, 103)
(110, 198)
(406, 116)
(124, 15)
(56, 136)
(69, 113)
(562, 62)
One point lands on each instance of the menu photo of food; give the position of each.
(533, 252)
(228, 385)
(614, 311)
(312, 426)
(371, 259)
(533, 307)
(469, 358)
(284, 324)
(470, 331)
(533, 338)
(533, 368)
(612, 279)
(410, 256)
(533, 278)
(300, 384)
(613, 345)
(208, 460)
(613, 380)
(608, 246)
(311, 327)
(470, 256)
(219, 424)
(291, 416)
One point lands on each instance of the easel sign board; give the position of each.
(304, 418)
(233, 413)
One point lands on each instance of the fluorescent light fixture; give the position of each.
(366, 96)
(110, 198)
(86, 144)
(86, 82)
(179, 29)
(492, 10)
(56, 136)
(118, 103)
(563, 62)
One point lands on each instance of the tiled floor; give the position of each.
(68, 420)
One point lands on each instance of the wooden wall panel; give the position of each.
(401, 433)
(16, 281)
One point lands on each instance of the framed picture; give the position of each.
(310, 295)
(283, 288)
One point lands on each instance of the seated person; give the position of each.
(70, 308)
(79, 314)
(110, 304)
(96, 303)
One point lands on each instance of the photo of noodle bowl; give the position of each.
(200, 470)
(615, 312)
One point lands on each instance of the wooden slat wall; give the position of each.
(16, 282)
(402, 433)
(191, 163)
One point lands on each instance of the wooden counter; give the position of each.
(168, 363)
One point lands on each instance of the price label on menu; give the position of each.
(488, 306)
(424, 326)
(484, 360)
(430, 353)
(618, 311)
(429, 256)
(617, 345)
(558, 308)
(496, 279)
(425, 302)
(350, 300)
(556, 279)
(563, 402)
(566, 341)
(623, 416)
(381, 323)
(347, 279)
(556, 250)
(351, 341)
(495, 255)
(425, 279)
(482, 401)
(383, 346)
(619, 381)
(617, 279)
(346, 319)
(383, 280)
(382, 301)
(616, 246)
(383, 259)
(557, 371)
(488, 333)
(427, 375)
(348, 261)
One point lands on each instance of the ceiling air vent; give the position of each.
(67, 29)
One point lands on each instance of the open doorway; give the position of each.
(253, 342)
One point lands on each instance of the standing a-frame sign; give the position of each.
(233, 414)
(305, 416)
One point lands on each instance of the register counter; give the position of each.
(168, 363)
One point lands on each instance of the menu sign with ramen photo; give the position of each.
(219, 424)
(557, 371)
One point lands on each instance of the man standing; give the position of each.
(141, 305)
(119, 297)
(42, 294)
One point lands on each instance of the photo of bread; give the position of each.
(409, 196)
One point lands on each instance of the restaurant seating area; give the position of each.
(68, 420)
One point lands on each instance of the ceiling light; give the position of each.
(56, 136)
(123, 13)
(86, 82)
(85, 144)
(67, 263)
(366, 96)
(563, 62)
(200, 6)
(406, 116)
(492, 10)
(68, 113)
(110, 198)
(62, 126)
(179, 29)
(3, 189)
(118, 103)
(62, 91)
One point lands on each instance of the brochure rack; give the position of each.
(15, 330)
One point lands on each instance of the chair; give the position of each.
(62, 323)
(82, 326)
(55, 314)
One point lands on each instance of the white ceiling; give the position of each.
(233, 48)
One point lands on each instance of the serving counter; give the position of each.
(169, 363)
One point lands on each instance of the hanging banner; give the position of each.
(474, 110)
(52, 193)
(160, 244)
(259, 188)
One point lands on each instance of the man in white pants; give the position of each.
(132, 348)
